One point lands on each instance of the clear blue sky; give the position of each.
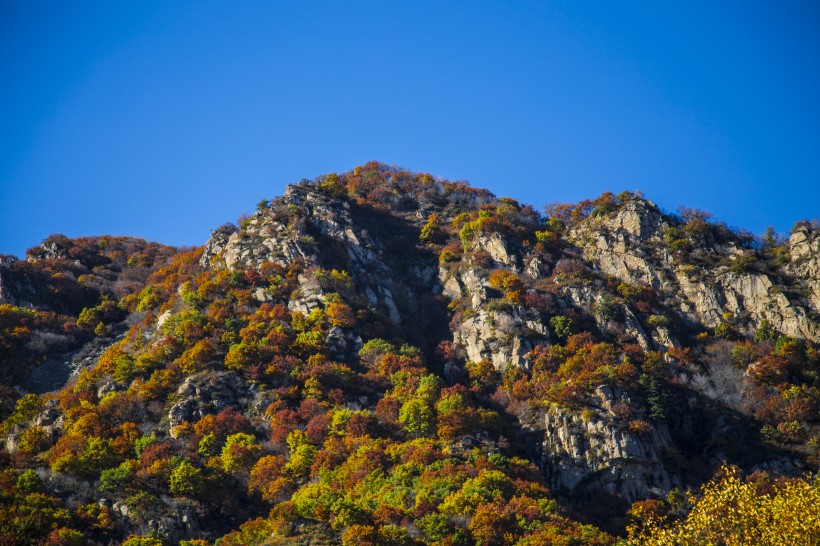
(166, 119)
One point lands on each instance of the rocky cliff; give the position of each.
(712, 277)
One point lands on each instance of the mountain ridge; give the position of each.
(603, 353)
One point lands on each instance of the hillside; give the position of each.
(383, 357)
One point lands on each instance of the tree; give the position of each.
(418, 417)
(186, 480)
(269, 480)
(240, 452)
(341, 315)
(734, 511)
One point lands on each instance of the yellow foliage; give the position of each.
(735, 512)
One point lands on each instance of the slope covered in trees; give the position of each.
(383, 357)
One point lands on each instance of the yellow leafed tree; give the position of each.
(733, 511)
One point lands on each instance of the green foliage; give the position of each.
(449, 403)
(117, 478)
(657, 321)
(765, 332)
(240, 451)
(431, 232)
(743, 355)
(149, 298)
(28, 516)
(137, 540)
(725, 330)
(186, 480)
(607, 308)
(656, 400)
(99, 454)
(336, 281)
(742, 263)
(29, 481)
(418, 417)
(561, 326)
(208, 445)
(375, 448)
(26, 409)
(144, 441)
(105, 313)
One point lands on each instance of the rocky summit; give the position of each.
(386, 357)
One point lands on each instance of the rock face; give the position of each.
(600, 452)
(502, 336)
(804, 250)
(620, 245)
(631, 246)
(203, 394)
(499, 332)
(325, 226)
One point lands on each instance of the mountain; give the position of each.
(384, 357)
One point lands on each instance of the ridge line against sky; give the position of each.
(165, 120)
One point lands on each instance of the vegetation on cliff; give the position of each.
(383, 357)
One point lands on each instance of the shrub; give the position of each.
(724, 330)
(742, 264)
(431, 232)
(29, 481)
(137, 540)
(607, 308)
(657, 321)
(561, 326)
(418, 417)
(240, 452)
(639, 426)
(341, 315)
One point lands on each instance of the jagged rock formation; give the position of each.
(631, 245)
(599, 452)
(503, 336)
(804, 251)
(268, 237)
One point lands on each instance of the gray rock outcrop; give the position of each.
(596, 451)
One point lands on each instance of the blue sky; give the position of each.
(166, 119)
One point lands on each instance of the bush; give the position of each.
(29, 481)
(657, 321)
(607, 308)
(561, 326)
(724, 330)
(431, 232)
(742, 264)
